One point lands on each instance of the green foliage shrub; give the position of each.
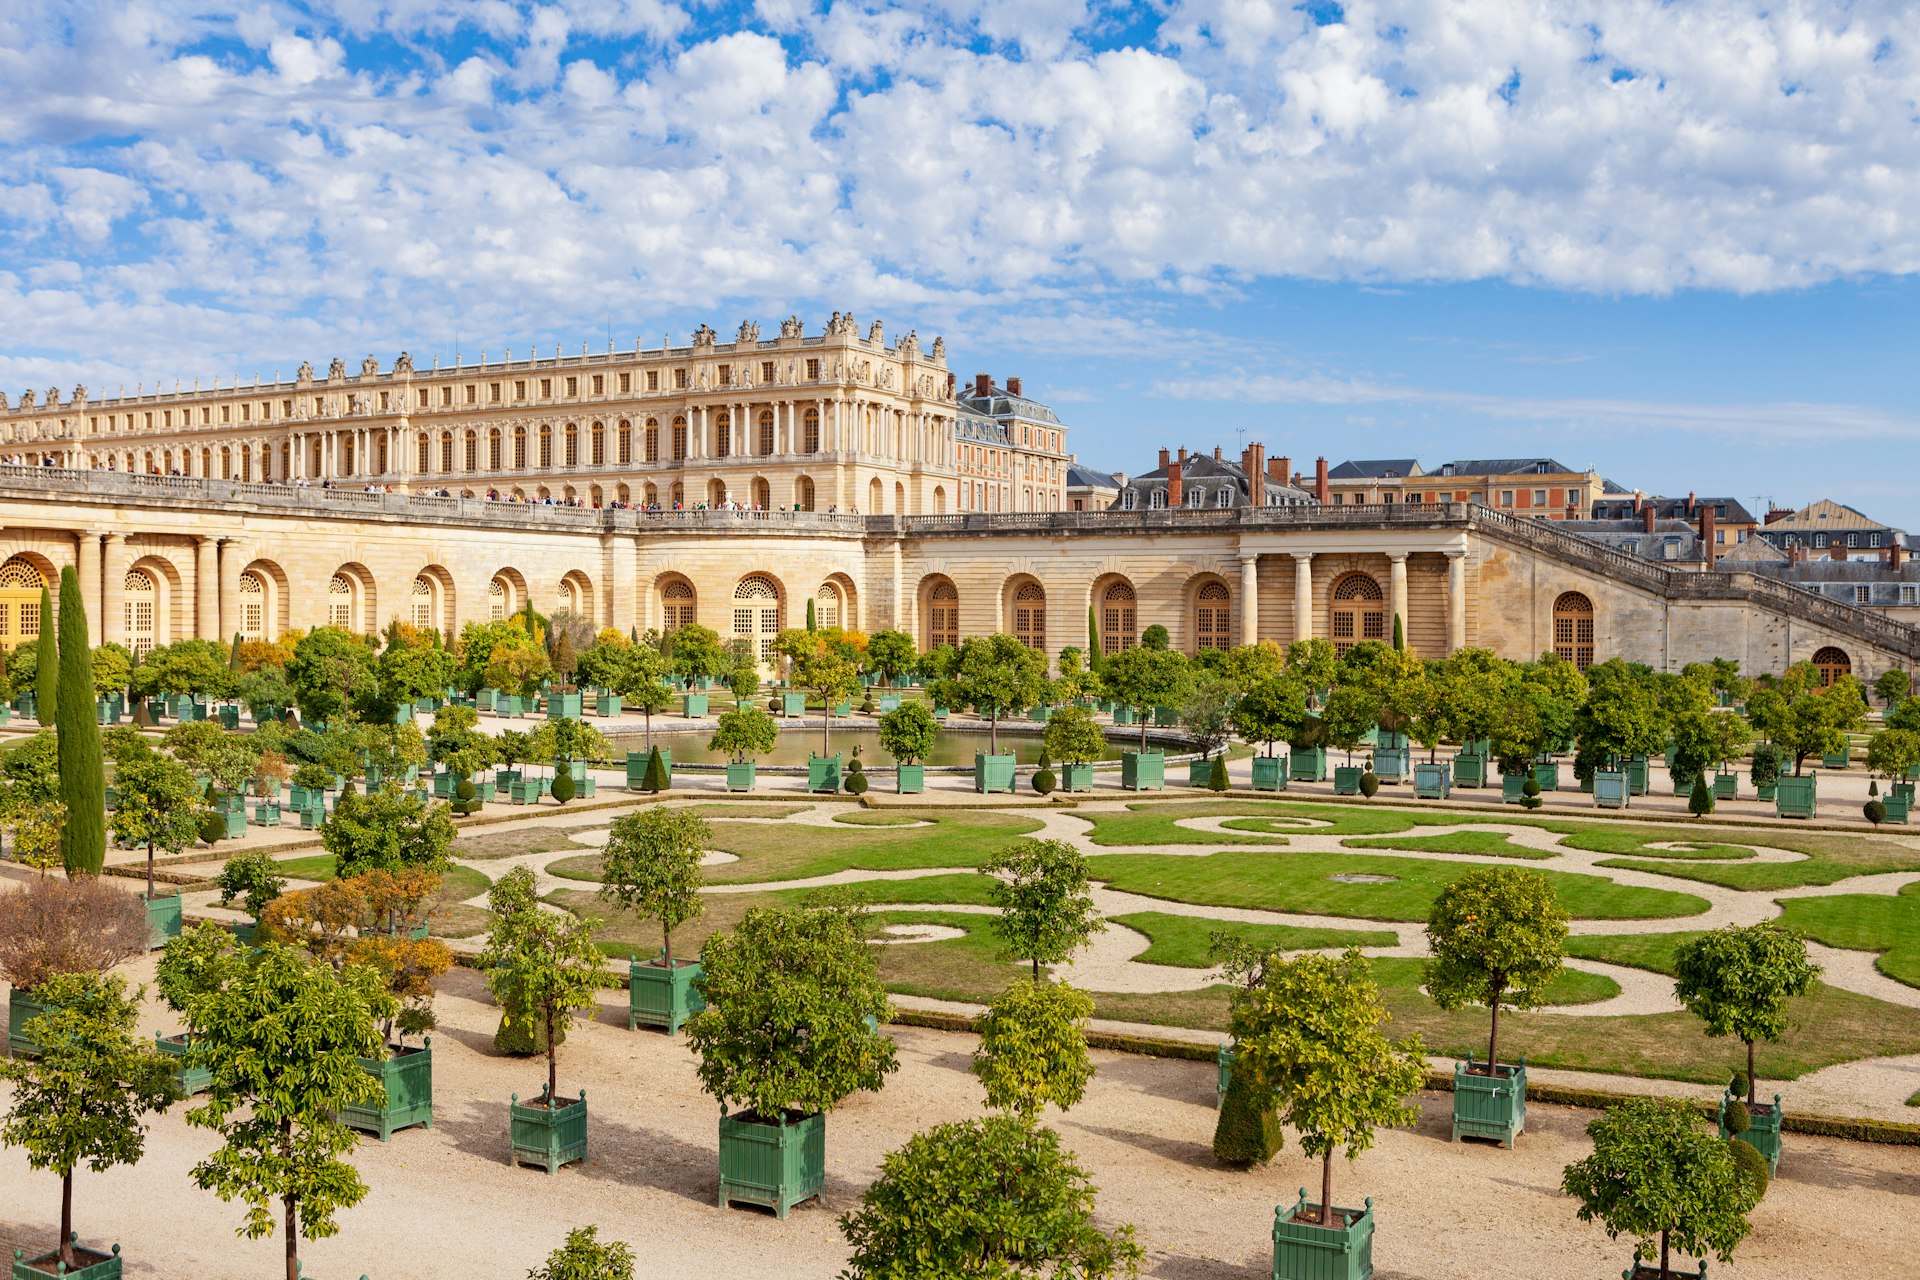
(1700, 799)
(1369, 784)
(563, 786)
(1245, 1136)
(1752, 1164)
(1217, 777)
(1875, 810)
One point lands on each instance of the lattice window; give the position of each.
(140, 597)
(17, 574)
(493, 451)
(573, 445)
(766, 433)
(1831, 663)
(679, 439)
(340, 603)
(546, 446)
(253, 607)
(446, 452)
(1573, 629)
(677, 606)
(599, 454)
(1359, 611)
(723, 435)
(520, 448)
(421, 603)
(626, 443)
(756, 613)
(810, 431)
(20, 584)
(1030, 616)
(470, 452)
(496, 601)
(943, 615)
(1212, 620)
(653, 441)
(827, 605)
(1117, 617)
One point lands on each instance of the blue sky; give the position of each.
(1674, 242)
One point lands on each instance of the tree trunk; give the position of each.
(1752, 1085)
(149, 871)
(666, 947)
(553, 1058)
(293, 1236)
(1493, 1033)
(1036, 971)
(1143, 732)
(1326, 1188)
(826, 724)
(1664, 1271)
(649, 715)
(993, 734)
(66, 1219)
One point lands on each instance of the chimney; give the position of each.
(1216, 453)
(1636, 503)
(1320, 480)
(1689, 502)
(1165, 457)
(1013, 386)
(1708, 552)
(1255, 465)
(1839, 550)
(1647, 515)
(1894, 556)
(982, 383)
(1775, 515)
(1173, 481)
(1182, 457)
(1281, 469)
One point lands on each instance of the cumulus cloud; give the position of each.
(417, 164)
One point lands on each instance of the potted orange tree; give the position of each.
(652, 867)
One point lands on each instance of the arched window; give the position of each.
(573, 592)
(519, 448)
(653, 440)
(756, 613)
(20, 584)
(1117, 618)
(421, 603)
(762, 495)
(1359, 611)
(599, 450)
(1831, 663)
(1212, 619)
(943, 615)
(625, 453)
(716, 493)
(546, 445)
(340, 603)
(810, 431)
(723, 435)
(679, 439)
(142, 598)
(1573, 629)
(573, 444)
(803, 492)
(766, 433)
(497, 608)
(1030, 616)
(253, 607)
(676, 606)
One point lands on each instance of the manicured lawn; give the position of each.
(1184, 940)
(1153, 822)
(1654, 951)
(788, 852)
(481, 844)
(1301, 882)
(1889, 925)
(1831, 858)
(877, 818)
(745, 809)
(1495, 844)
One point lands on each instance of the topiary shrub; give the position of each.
(856, 780)
(465, 790)
(213, 828)
(1876, 811)
(1752, 1164)
(1217, 777)
(1700, 799)
(1737, 1086)
(1044, 780)
(866, 705)
(1738, 1119)
(773, 706)
(1244, 1136)
(563, 786)
(1369, 784)
(657, 778)
(1530, 794)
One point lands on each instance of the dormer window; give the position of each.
(1446, 469)
(1157, 499)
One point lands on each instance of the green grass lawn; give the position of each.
(1889, 925)
(1152, 822)
(788, 852)
(1184, 940)
(1495, 844)
(877, 818)
(1282, 880)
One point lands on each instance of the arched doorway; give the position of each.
(829, 608)
(340, 602)
(142, 605)
(1118, 619)
(1359, 611)
(1030, 615)
(756, 613)
(1831, 663)
(943, 615)
(20, 586)
(677, 605)
(1212, 617)
(1573, 629)
(253, 607)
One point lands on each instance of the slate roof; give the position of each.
(1376, 469)
(1506, 467)
(1725, 510)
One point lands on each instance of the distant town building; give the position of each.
(1540, 487)
(1831, 530)
(1212, 480)
(1089, 489)
(1010, 451)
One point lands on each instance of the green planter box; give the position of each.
(842, 708)
(1123, 715)
(508, 704)
(1076, 776)
(244, 932)
(1469, 770)
(910, 779)
(100, 711)
(565, 706)
(1726, 786)
(823, 772)
(1223, 1074)
(443, 784)
(941, 714)
(1199, 771)
(1390, 764)
(1143, 770)
(1269, 773)
(1682, 781)
(1765, 790)
(403, 714)
(992, 773)
(793, 704)
(21, 1009)
(1513, 788)
(1637, 775)
(407, 1076)
(1165, 717)
(1547, 775)
(1040, 714)
(486, 699)
(163, 919)
(305, 797)
(312, 817)
(1898, 808)
(1489, 1106)
(659, 997)
(234, 824)
(1796, 797)
(190, 1078)
(606, 704)
(637, 767)
(1308, 764)
(1610, 789)
(1346, 779)
(740, 777)
(104, 1266)
(1432, 781)
(1764, 1131)
(550, 1138)
(776, 1165)
(887, 702)
(693, 705)
(1309, 1251)
(1836, 759)
(527, 790)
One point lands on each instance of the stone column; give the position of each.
(1249, 597)
(1397, 592)
(1456, 601)
(113, 589)
(206, 588)
(1302, 595)
(87, 566)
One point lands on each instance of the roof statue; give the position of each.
(749, 332)
(792, 328)
(337, 371)
(304, 373)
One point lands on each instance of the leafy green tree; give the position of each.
(565, 740)
(788, 996)
(1315, 661)
(46, 674)
(185, 667)
(824, 662)
(329, 666)
(388, 829)
(266, 693)
(1469, 687)
(519, 669)
(1046, 911)
(743, 733)
(253, 878)
(583, 1257)
(478, 643)
(1657, 1173)
(83, 776)
(891, 654)
(1893, 752)
(160, 806)
(456, 742)
(1892, 686)
(908, 731)
(1308, 1037)
(1155, 637)
(1497, 938)
(1271, 709)
(1073, 736)
(1033, 1047)
(996, 676)
(1806, 719)
(279, 1110)
(1076, 679)
(83, 1099)
(697, 652)
(1399, 689)
(1350, 711)
(421, 669)
(1738, 981)
(1145, 678)
(652, 867)
(112, 668)
(1207, 712)
(640, 678)
(1622, 716)
(540, 964)
(991, 1199)
(937, 663)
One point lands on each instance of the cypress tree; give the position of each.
(1217, 776)
(233, 658)
(1244, 1136)
(656, 779)
(83, 779)
(1093, 641)
(46, 675)
(1399, 635)
(810, 615)
(1700, 799)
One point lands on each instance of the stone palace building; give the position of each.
(729, 483)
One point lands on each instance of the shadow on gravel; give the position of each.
(1196, 1154)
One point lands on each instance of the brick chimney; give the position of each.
(1216, 453)
(1708, 552)
(1173, 480)
(982, 384)
(1165, 457)
(1182, 457)
(1648, 515)
(1636, 504)
(1281, 469)
(1013, 386)
(1839, 550)
(1775, 515)
(1894, 556)
(1320, 480)
(1689, 502)
(1255, 466)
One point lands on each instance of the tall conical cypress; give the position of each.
(810, 625)
(46, 675)
(1094, 656)
(1399, 634)
(83, 779)
(233, 655)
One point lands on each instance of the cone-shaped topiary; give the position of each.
(1751, 1163)
(1738, 1118)
(46, 673)
(83, 779)
(1217, 776)
(1244, 1136)
(563, 786)
(656, 778)
(1700, 799)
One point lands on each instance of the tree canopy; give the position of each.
(652, 867)
(1046, 911)
(1738, 981)
(1497, 936)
